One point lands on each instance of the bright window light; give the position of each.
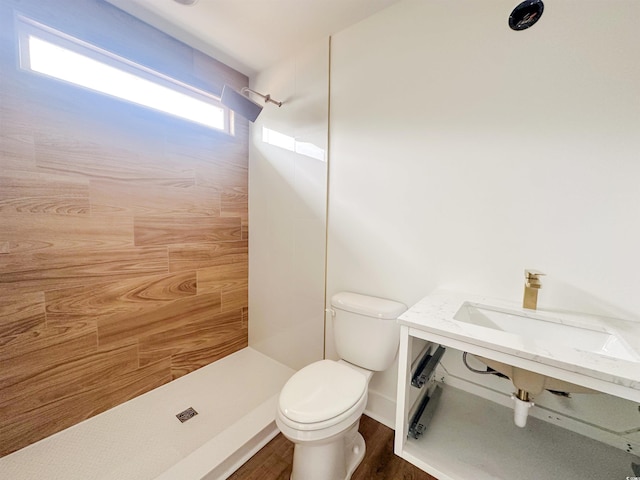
(277, 139)
(99, 71)
(310, 150)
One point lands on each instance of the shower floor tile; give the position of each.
(142, 439)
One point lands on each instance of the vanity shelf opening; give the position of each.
(470, 437)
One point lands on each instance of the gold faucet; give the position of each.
(531, 286)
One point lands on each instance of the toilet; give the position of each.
(319, 408)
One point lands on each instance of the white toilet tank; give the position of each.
(365, 330)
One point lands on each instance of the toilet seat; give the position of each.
(321, 395)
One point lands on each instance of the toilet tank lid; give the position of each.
(369, 306)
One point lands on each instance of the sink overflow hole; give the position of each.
(186, 415)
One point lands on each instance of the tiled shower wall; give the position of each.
(123, 233)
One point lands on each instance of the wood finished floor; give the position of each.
(273, 462)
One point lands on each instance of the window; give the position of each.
(49, 52)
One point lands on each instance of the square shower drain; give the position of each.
(186, 415)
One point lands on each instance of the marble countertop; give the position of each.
(435, 314)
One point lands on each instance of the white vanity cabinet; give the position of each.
(472, 435)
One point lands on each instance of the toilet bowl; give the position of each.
(319, 408)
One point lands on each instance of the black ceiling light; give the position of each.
(526, 14)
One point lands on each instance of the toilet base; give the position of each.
(336, 458)
(357, 454)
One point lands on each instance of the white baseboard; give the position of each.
(382, 409)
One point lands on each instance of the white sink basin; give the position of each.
(547, 331)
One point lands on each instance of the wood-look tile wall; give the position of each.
(123, 232)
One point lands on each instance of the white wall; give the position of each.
(287, 212)
(463, 152)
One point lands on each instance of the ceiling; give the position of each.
(251, 35)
